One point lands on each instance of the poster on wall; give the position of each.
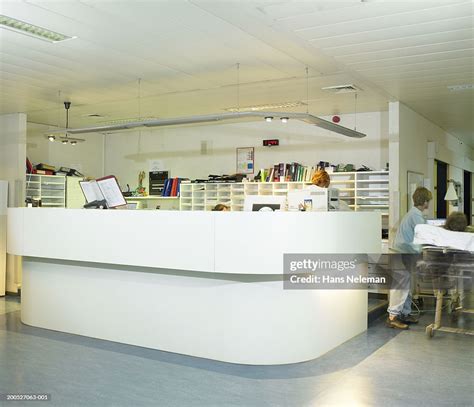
(245, 160)
(156, 165)
(414, 180)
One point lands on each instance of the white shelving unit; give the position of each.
(50, 189)
(153, 201)
(362, 191)
(205, 196)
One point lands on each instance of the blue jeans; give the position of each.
(400, 295)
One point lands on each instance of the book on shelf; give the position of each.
(287, 172)
(42, 172)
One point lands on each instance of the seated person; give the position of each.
(457, 222)
(321, 179)
(221, 207)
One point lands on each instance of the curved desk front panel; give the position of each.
(204, 284)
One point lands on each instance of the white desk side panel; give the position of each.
(165, 239)
(254, 242)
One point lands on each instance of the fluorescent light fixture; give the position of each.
(268, 119)
(451, 194)
(259, 108)
(128, 120)
(284, 119)
(218, 117)
(31, 30)
(459, 88)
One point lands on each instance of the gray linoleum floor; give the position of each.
(381, 367)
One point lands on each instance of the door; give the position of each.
(467, 198)
(441, 188)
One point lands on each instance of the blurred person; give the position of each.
(399, 308)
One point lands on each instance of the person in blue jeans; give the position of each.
(399, 309)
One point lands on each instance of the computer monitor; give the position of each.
(260, 207)
(260, 202)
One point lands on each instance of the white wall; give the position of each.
(415, 143)
(180, 147)
(12, 169)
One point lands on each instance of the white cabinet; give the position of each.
(50, 189)
(74, 196)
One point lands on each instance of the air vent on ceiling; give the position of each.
(342, 89)
(459, 88)
(94, 115)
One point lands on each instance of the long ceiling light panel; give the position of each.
(258, 108)
(305, 117)
(31, 30)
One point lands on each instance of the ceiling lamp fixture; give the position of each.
(64, 134)
(268, 119)
(284, 119)
(67, 105)
(31, 30)
(452, 194)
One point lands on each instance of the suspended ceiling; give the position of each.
(186, 54)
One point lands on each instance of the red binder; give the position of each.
(174, 187)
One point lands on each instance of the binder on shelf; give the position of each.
(43, 172)
(103, 189)
(29, 166)
(174, 187)
(46, 167)
(163, 191)
(167, 187)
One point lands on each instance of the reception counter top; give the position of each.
(205, 284)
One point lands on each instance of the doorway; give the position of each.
(441, 188)
(467, 198)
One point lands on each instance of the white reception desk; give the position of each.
(206, 284)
